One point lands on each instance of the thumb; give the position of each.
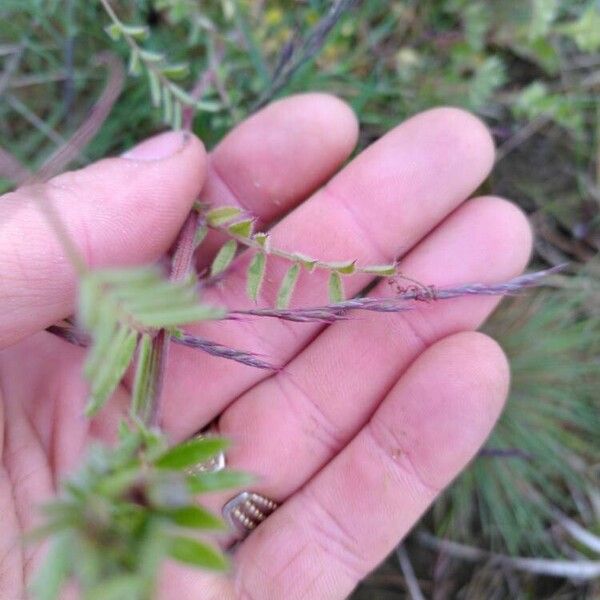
(118, 212)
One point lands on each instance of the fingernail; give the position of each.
(158, 147)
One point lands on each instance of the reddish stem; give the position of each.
(181, 265)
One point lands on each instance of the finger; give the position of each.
(335, 530)
(376, 208)
(119, 211)
(306, 414)
(278, 156)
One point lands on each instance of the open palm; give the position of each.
(369, 419)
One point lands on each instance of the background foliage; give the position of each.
(531, 69)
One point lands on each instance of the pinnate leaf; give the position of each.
(116, 306)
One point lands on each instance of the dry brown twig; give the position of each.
(12, 169)
(584, 570)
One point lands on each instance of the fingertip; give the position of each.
(512, 227)
(177, 155)
(464, 131)
(487, 371)
(507, 231)
(332, 113)
(451, 396)
(284, 152)
(159, 147)
(158, 180)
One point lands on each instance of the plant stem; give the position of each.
(578, 570)
(311, 46)
(298, 258)
(181, 265)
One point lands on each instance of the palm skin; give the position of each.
(368, 421)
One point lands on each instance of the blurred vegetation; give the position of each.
(531, 69)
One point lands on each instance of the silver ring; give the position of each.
(212, 465)
(246, 511)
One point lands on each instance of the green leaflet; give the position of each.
(346, 267)
(54, 571)
(200, 235)
(167, 102)
(222, 215)
(181, 95)
(262, 239)
(284, 295)
(142, 298)
(139, 32)
(224, 257)
(336, 288)
(193, 516)
(118, 588)
(134, 66)
(114, 31)
(154, 83)
(242, 228)
(171, 317)
(151, 57)
(116, 305)
(193, 552)
(256, 275)
(211, 481)
(306, 261)
(191, 453)
(118, 355)
(177, 120)
(143, 375)
(176, 71)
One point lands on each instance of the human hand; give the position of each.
(370, 418)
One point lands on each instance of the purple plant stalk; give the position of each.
(403, 301)
(95, 119)
(294, 56)
(214, 349)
